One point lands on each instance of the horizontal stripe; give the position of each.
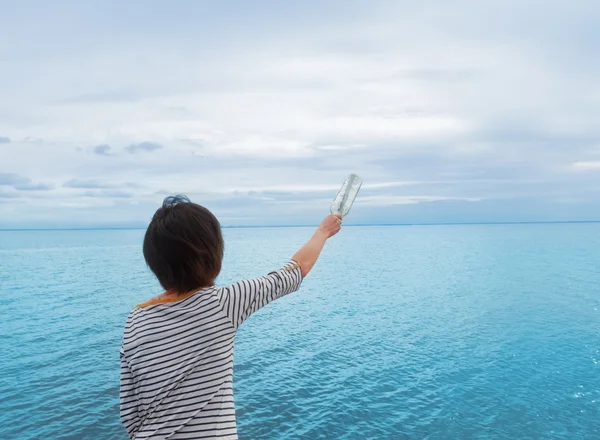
(186, 368)
(208, 367)
(155, 324)
(174, 349)
(176, 360)
(144, 343)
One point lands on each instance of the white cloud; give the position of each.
(586, 165)
(383, 200)
(442, 98)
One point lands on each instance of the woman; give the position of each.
(177, 351)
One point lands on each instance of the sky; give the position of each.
(462, 111)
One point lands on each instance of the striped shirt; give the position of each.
(177, 358)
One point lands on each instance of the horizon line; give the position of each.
(118, 228)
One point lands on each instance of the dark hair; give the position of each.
(183, 245)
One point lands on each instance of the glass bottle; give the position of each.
(345, 197)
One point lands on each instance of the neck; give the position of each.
(173, 293)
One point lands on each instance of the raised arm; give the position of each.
(308, 255)
(243, 298)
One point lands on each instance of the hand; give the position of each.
(331, 225)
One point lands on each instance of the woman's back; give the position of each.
(177, 358)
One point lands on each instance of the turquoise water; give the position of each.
(422, 332)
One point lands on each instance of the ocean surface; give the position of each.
(409, 332)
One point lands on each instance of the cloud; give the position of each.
(33, 187)
(4, 140)
(586, 165)
(433, 110)
(102, 149)
(144, 146)
(86, 184)
(105, 193)
(33, 139)
(11, 179)
(22, 183)
(8, 195)
(383, 200)
(100, 184)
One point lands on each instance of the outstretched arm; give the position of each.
(307, 256)
(243, 298)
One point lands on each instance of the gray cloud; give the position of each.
(143, 146)
(8, 195)
(99, 184)
(86, 184)
(109, 193)
(22, 183)
(33, 187)
(4, 140)
(102, 150)
(10, 179)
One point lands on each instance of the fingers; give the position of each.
(338, 220)
(337, 229)
(332, 224)
(338, 225)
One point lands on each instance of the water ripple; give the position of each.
(400, 333)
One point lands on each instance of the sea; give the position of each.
(399, 332)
